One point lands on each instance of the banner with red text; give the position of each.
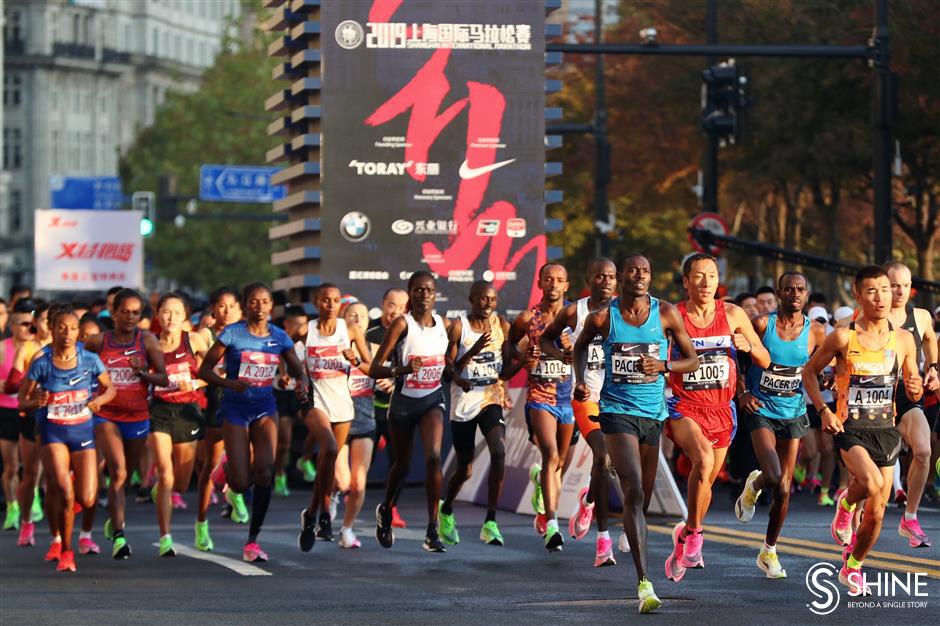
(88, 250)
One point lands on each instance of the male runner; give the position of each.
(601, 279)
(766, 300)
(869, 355)
(775, 412)
(702, 414)
(912, 421)
(288, 406)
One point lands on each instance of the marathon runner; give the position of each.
(871, 354)
(702, 414)
(59, 386)
(475, 353)
(135, 362)
(176, 421)
(252, 350)
(592, 499)
(912, 421)
(775, 412)
(548, 401)
(419, 341)
(328, 356)
(21, 334)
(288, 405)
(635, 330)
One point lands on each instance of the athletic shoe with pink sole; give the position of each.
(916, 536)
(252, 553)
(674, 569)
(580, 522)
(605, 552)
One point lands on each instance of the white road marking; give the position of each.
(239, 567)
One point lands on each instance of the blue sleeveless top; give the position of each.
(780, 386)
(626, 389)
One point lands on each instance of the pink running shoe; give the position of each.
(213, 497)
(177, 499)
(911, 529)
(252, 553)
(674, 569)
(87, 546)
(852, 578)
(847, 550)
(26, 534)
(605, 552)
(580, 522)
(841, 527)
(692, 553)
(218, 474)
(541, 524)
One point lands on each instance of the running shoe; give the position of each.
(815, 485)
(674, 568)
(623, 544)
(121, 549)
(900, 498)
(648, 600)
(35, 512)
(799, 474)
(449, 534)
(308, 532)
(334, 503)
(348, 539)
(203, 541)
(490, 534)
(166, 546)
(108, 530)
(841, 527)
(692, 553)
(853, 579)
(383, 526)
(239, 510)
(746, 503)
(252, 553)
(12, 521)
(825, 499)
(849, 549)
(145, 495)
(217, 475)
(280, 486)
(580, 521)
(66, 562)
(770, 564)
(916, 536)
(135, 478)
(308, 469)
(176, 499)
(538, 502)
(553, 539)
(397, 521)
(432, 541)
(27, 538)
(540, 523)
(325, 528)
(55, 551)
(604, 555)
(87, 546)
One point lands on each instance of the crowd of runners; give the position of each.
(140, 396)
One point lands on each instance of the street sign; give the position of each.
(86, 192)
(238, 183)
(711, 222)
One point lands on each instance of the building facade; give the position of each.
(80, 79)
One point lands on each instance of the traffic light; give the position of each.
(145, 202)
(724, 98)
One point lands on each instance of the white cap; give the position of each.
(843, 312)
(818, 313)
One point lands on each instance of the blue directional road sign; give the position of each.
(86, 192)
(238, 183)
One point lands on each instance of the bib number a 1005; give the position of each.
(713, 373)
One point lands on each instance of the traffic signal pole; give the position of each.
(884, 117)
(710, 160)
(602, 147)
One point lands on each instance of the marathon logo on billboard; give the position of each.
(108, 251)
(400, 35)
(381, 168)
(367, 275)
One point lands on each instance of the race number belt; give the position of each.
(712, 373)
(871, 398)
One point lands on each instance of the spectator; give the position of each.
(19, 292)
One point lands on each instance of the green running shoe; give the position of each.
(108, 530)
(308, 469)
(135, 479)
(648, 600)
(553, 539)
(490, 534)
(538, 504)
(121, 549)
(35, 513)
(166, 546)
(799, 474)
(239, 510)
(280, 486)
(203, 540)
(449, 534)
(12, 521)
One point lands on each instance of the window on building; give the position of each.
(76, 28)
(12, 88)
(6, 148)
(12, 148)
(13, 27)
(156, 42)
(16, 210)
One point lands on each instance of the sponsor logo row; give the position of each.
(356, 226)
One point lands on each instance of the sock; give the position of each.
(162, 537)
(57, 539)
(909, 516)
(603, 534)
(345, 529)
(447, 508)
(84, 535)
(771, 549)
(490, 515)
(846, 506)
(203, 523)
(259, 508)
(852, 563)
(552, 523)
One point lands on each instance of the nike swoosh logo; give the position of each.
(180, 355)
(271, 344)
(86, 443)
(193, 432)
(868, 380)
(469, 173)
(113, 361)
(628, 348)
(141, 432)
(129, 352)
(75, 381)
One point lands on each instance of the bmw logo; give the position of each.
(355, 226)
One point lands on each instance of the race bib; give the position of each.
(626, 363)
(551, 371)
(783, 381)
(177, 373)
(258, 369)
(360, 385)
(871, 397)
(68, 407)
(428, 375)
(595, 355)
(713, 373)
(325, 362)
(483, 369)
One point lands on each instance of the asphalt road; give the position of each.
(472, 583)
